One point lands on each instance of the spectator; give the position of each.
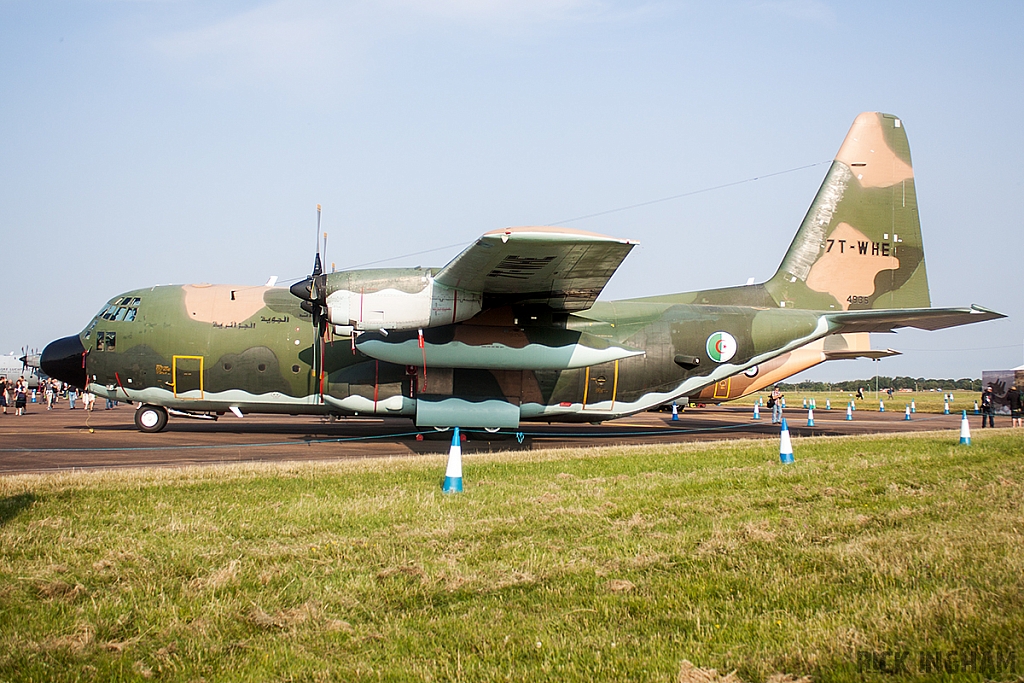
(775, 403)
(988, 407)
(1013, 397)
(20, 396)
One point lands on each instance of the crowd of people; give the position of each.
(17, 394)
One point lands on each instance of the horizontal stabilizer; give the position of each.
(889, 320)
(874, 354)
(562, 268)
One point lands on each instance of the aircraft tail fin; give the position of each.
(859, 246)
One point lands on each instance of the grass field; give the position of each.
(926, 401)
(869, 558)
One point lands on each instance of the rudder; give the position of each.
(860, 245)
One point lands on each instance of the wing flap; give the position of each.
(558, 267)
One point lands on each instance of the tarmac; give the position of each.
(63, 439)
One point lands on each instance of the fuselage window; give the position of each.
(100, 340)
(111, 340)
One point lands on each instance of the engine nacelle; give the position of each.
(396, 299)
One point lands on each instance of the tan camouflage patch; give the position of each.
(224, 304)
(868, 155)
(845, 273)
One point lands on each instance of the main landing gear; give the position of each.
(150, 418)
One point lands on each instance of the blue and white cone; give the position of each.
(975, 407)
(675, 412)
(828, 404)
(881, 406)
(965, 431)
(913, 406)
(849, 412)
(945, 407)
(757, 412)
(783, 401)
(810, 417)
(453, 474)
(906, 414)
(785, 445)
(805, 404)
(814, 403)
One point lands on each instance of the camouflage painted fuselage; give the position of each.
(211, 347)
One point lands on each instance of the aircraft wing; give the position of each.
(562, 268)
(889, 320)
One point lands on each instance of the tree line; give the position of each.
(917, 384)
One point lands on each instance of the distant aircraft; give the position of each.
(26, 365)
(833, 347)
(511, 329)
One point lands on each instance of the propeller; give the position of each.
(313, 292)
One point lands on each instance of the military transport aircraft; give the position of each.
(511, 329)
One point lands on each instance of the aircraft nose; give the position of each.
(64, 359)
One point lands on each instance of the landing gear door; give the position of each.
(188, 377)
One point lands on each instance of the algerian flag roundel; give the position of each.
(721, 346)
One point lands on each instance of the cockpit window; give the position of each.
(123, 309)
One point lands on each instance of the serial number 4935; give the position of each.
(858, 299)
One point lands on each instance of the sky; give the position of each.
(173, 141)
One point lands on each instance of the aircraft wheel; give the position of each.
(150, 418)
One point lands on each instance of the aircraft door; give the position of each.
(601, 385)
(722, 388)
(188, 376)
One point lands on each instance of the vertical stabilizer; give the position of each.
(859, 246)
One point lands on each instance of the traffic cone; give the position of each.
(965, 431)
(906, 415)
(913, 406)
(849, 413)
(675, 412)
(785, 445)
(805, 404)
(783, 402)
(453, 474)
(881, 406)
(814, 403)
(853, 405)
(810, 417)
(945, 407)
(975, 407)
(828, 404)
(757, 412)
